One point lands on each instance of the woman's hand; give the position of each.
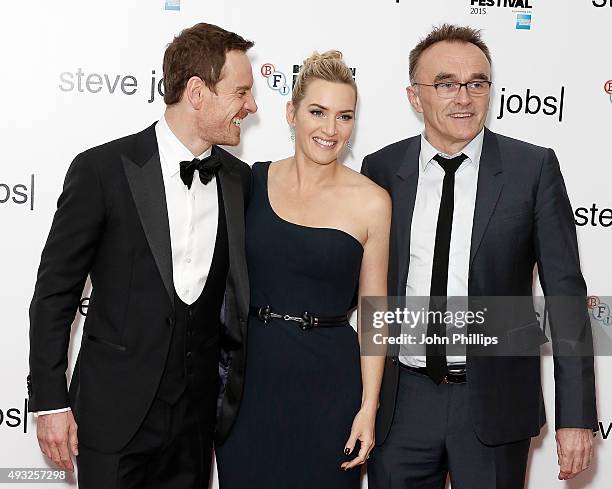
(362, 430)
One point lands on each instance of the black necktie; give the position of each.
(207, 168)
(436, 353)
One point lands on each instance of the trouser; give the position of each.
(172, 449)
(432, 437)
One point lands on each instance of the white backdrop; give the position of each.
(78, 73)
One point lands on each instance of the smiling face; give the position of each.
(323, 120)
(450, 124)
(220, 114)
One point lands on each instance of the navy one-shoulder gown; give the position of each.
(302, 388)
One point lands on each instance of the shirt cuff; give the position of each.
(52, 411)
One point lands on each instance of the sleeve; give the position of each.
(65, 263)
(558, 263)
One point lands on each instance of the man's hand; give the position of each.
(574, 451)
(57, 437)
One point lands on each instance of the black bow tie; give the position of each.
(207, 169)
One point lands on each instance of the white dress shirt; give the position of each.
(423, 229)
(192, 216)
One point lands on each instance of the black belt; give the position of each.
(456, 374)
(305, 321)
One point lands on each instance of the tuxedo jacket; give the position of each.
(111, 223)
(522, 217)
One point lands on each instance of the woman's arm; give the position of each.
(372, 282)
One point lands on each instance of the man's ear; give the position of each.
(414, 98)
(196, 92)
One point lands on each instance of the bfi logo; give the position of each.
(599, 310)
(277, 80)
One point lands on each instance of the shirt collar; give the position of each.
(171, 150)
(472, 150)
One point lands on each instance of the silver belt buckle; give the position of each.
(453, 374)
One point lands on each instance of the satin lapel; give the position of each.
(404, 196)
(147, 186)
(233, 199)
(490, 184)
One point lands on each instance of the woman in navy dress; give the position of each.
(317, 233)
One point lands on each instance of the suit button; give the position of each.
(188, 355)
(394, 360)
(169, 321)
(189, 333)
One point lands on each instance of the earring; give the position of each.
(292, 131)
(350, 145)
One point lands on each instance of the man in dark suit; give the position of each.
(156, 219)
(473, 213)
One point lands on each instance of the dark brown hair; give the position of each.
(448, 33)
(198, 51)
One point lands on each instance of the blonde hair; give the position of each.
(328, 66)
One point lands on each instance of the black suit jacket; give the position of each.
(112, 223)
(522, 218)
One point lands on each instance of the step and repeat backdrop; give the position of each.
(77, 73)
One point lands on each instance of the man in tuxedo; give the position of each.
(156, 219)
(473, 213)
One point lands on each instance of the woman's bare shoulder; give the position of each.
(368, 194)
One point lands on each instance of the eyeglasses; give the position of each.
(478, 88)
